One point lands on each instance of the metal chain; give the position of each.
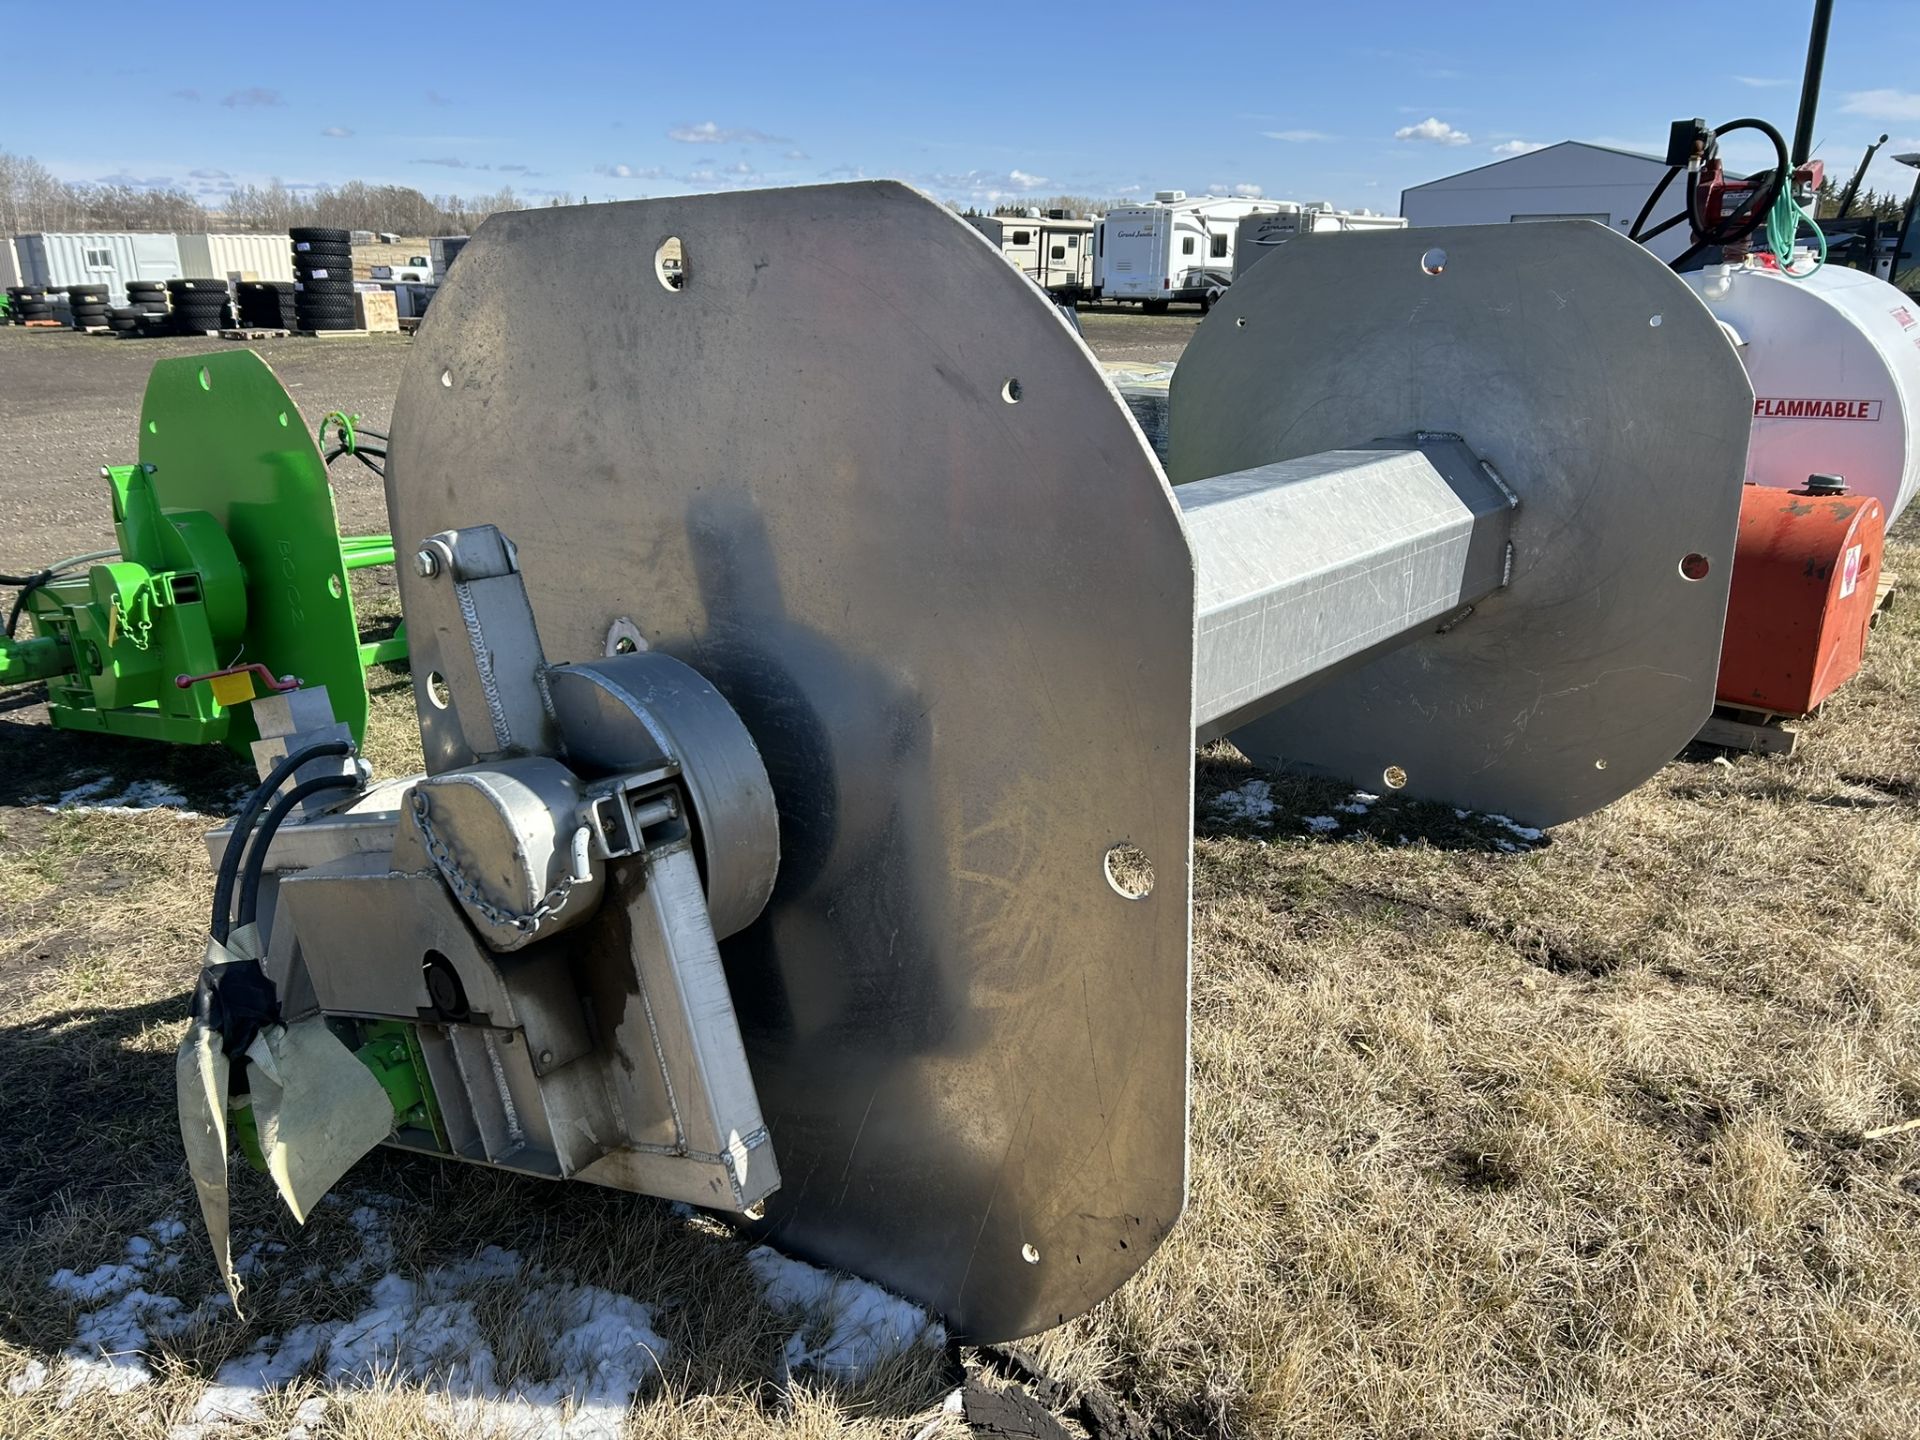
(123, 620)
(464, 889)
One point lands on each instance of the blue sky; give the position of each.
(977, 103)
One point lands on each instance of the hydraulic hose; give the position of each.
(262, 841)
(229, 873)
(30, 583)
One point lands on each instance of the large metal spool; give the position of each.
(896, 516)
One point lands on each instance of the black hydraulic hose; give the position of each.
(229, 873)
(30, 583)
(263, 837)
(1731, 228)
(1633, 230)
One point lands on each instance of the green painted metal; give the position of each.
(361, 551)
(174, 602)
(39, 658)
(229, 554)
(224, 437)
(385, 652)
(390, 1049)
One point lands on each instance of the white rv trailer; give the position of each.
(1257, 236)
(1175, 248)
(1053, 250)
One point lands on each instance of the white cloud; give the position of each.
(631, 172)
(796, 155)
(1297, 137)
(1760, 82)
(708, 133)
(981, 187)
(1884, 104)
(1518, 147)
(1242, 191)
(336, 132)
(1433, 131)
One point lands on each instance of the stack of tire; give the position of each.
(89, 305)
(322, 278)
(30, 302)
(148, 298)
(145, 312)
(267, 304)
(199, 306)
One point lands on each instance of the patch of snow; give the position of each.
(1321, 824)
(93, 798)
(33, 1378)
(1358, 803)
(99, 1284)
(311, 1412)
(601, 1350)
(860, 1325)
(1523, 832)
(1251, 803)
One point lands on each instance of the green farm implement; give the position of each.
(229, 576)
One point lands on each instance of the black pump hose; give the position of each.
(221, 925)
(263, 837)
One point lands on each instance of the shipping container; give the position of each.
(238, 257)
(110, 259)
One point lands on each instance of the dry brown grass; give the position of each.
(1561, 1143)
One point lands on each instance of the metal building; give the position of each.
(107, 258)
(1569, 181)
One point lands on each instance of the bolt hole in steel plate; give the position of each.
(1623, 442)
(948, 622)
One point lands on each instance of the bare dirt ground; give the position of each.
(1597, 1135)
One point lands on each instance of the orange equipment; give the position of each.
(1805, 571)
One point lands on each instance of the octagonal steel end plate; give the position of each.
(1604, 394)
(855, 469)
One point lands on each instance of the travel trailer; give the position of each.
(1175, 248)
(1257, 236)
(1053, 250)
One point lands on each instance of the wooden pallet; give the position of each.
(1760, 732)
(331, 334)
(1883, 594)
(44, 324)
(240, 333)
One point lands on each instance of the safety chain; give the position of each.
(136, 633)
(464, 889)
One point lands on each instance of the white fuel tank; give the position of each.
(1835, 365)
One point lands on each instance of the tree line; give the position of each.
(33, 199)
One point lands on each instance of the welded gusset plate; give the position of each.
(223, 436)
(1603, 393)
(857, 471)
